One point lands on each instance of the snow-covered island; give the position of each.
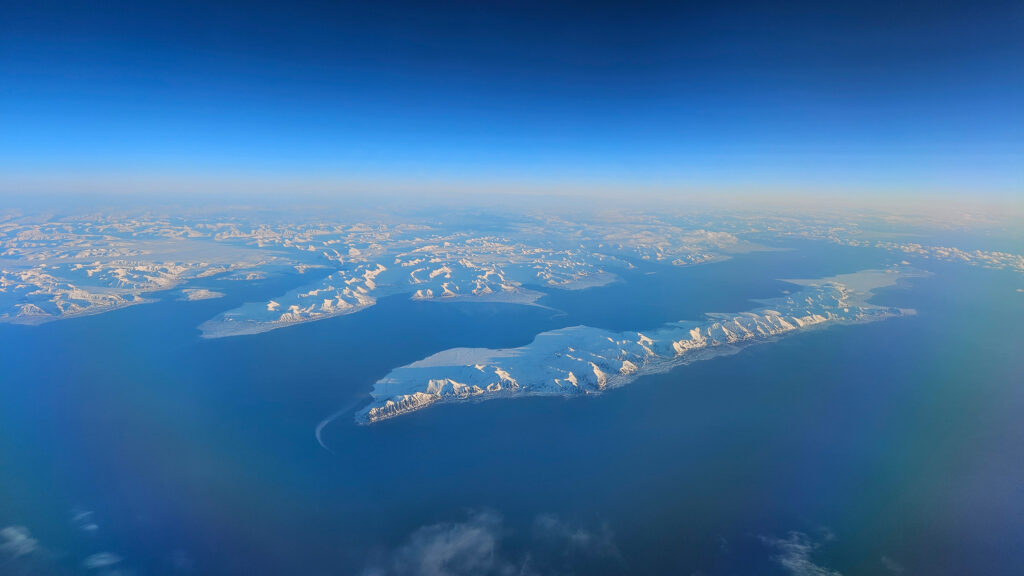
(194, 294)
(583, 360)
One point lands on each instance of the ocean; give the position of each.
(879, 448)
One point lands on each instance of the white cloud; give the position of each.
(101, 560)
(83, 520)
(794, 554)
(550, 529)
(479, 546)
(450, 549)
(17, 541)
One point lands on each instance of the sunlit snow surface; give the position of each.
(585, 360)
(54, 267)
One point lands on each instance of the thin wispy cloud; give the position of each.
(574, 540)
(483, 544)
(795, 552)
(450, 549)
(892, 565)
(17, 541)
(84, 520)
(101, 560)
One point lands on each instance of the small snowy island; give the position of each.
(583, 360)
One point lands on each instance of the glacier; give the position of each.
(583, 360)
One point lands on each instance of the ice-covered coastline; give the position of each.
(585, 360)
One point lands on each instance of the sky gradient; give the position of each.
(845, 98)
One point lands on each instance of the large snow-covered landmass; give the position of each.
(58, 268)
(55, 267)
(583, 360)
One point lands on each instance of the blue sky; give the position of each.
(872, 98)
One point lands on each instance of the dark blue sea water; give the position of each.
(863, 449)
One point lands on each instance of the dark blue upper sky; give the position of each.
(872, 96)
